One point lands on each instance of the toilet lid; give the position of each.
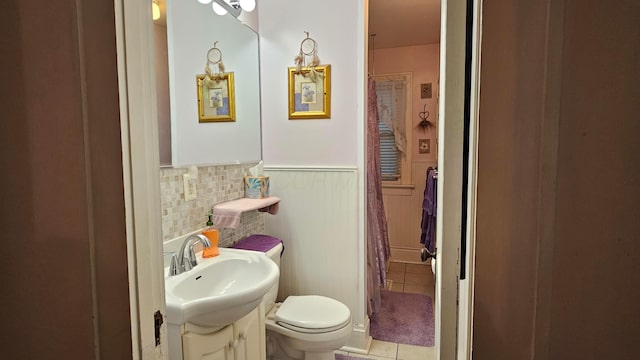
(312, 314)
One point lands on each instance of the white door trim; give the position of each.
(141, 170)
(465, 315)
(450, 172)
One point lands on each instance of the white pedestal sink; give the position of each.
(220, 290)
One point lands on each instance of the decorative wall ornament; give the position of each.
(308, 57)
(216, 97)
(424, 123)
(216, 100)
(310, 98)
(309, 84)
(214, 66)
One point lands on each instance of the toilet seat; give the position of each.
(312, 314)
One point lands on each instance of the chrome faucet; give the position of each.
(186, 262)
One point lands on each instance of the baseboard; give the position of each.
(360, 341)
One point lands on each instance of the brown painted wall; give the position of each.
(62, 188)
(595, 302)
(574, 294)
(512, 92)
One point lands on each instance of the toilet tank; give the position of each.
(270, 298)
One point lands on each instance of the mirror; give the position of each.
(191, 30)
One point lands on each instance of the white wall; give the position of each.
(317, 165)
(313, 262)
(333, 25)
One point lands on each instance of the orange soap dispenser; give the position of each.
(212, 235)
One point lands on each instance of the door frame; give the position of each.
(142, 193)
(141, 172)
(454, 323)
(465, 311)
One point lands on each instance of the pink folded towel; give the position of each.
(227, 214)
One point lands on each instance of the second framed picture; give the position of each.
(216, 100)
(309, 95)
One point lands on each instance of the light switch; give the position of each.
(189, 188)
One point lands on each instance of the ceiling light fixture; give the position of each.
(235, 7)
(247, 5)
(218, 9)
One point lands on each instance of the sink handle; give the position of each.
(192, 257)
(187, 264)
(173, 268)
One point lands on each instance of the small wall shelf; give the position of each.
(227, 214)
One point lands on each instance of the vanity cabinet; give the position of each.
(216, 346)
(245, 339)
(250, 334)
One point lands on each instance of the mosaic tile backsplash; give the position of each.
(215, 184)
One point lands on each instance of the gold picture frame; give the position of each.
(216, 98)
(310, 98)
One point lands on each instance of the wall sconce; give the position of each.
(155, 10)
(247, 5)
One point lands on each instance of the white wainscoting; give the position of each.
(318, 222)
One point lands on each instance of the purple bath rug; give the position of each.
(404, 318)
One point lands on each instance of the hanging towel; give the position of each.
(429, 211)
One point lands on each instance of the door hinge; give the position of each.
(158, 320)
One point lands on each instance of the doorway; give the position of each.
(455, 153)
(143, 184)
(403, 60)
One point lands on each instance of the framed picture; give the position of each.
(310, 98)
(216, 99)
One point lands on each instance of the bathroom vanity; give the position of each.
(215, 310)
(242, 340)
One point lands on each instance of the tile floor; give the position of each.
(408, 278)
(412, 278)
(383, 350)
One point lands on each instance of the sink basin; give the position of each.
(219, 290)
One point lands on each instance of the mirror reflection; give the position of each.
(183, 35)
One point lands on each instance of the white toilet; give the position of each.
(307, 327)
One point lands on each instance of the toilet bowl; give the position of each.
(306, 327)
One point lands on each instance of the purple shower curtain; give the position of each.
(378, 252)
